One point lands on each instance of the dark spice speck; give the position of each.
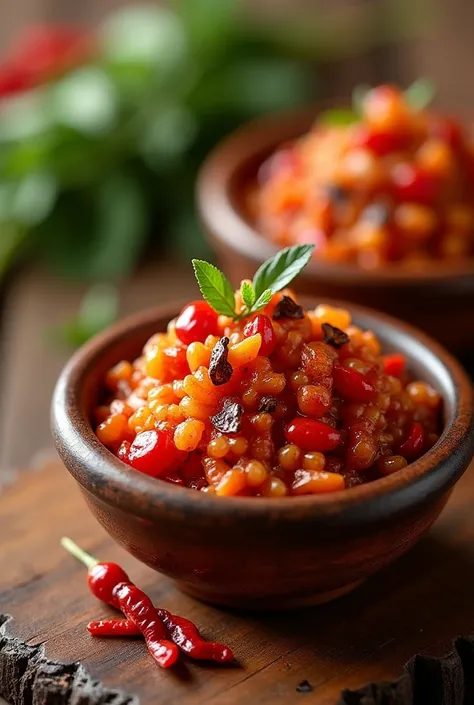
(229, 419)
(334, 336)
(304, 687)
(287, 308)
(220, 370)
(268, 404)
(337, 194)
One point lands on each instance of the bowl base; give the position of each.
(279, 602)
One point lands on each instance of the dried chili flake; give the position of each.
(287, 308)
(304, 687)
(334, 336)
(229, 419)
(220, 370)
(268, 404)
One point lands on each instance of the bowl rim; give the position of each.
(93, 465)
(226, 225)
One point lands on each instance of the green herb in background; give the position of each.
(98, 310)
(98, 159)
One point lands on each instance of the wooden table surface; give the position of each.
(418, 604)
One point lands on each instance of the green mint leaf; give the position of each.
(215, 287)
(338, 117)
(279, 271)
(420, 94)
(248, 294)
(262, 300)
(359, 95)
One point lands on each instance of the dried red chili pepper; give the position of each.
(138, 607)
(110, 583)
(113, 627)
(183, 632)
(103, 578)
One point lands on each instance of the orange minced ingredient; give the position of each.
(395, 186)
(305, 405)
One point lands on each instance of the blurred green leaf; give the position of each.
(121, 226)
(184, 234)
(338, 117)
(98, 310)
(254, 86)
(97, 234)
(12, 238)
(420, 94)
(26, 156)
(7, 196)
(34, 198)
(25, 116)
(210, 26)
(167, 136)
(86, 100)
(146, 34)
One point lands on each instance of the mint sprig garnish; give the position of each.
(420, 94)
(215, 288)
(248, 294)
(271, 277)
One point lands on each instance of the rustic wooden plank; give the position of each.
(418, 604)
(31, 361)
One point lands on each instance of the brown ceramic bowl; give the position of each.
(264, 553)
(440, 300)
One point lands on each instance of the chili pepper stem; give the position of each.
(76, 551)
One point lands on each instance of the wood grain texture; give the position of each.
(418, 604)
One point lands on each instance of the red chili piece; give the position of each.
(102, 579)
(263, 325)
(380, 142)
(183, 632)
(312, 435)
(138, 607)
(113, 627)
(352, 384)
(394, 365)
(123, 452)
(414, 445)
(196, 321)
(449, 130)
(412, 184)
(152, 452)
(175, 362)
